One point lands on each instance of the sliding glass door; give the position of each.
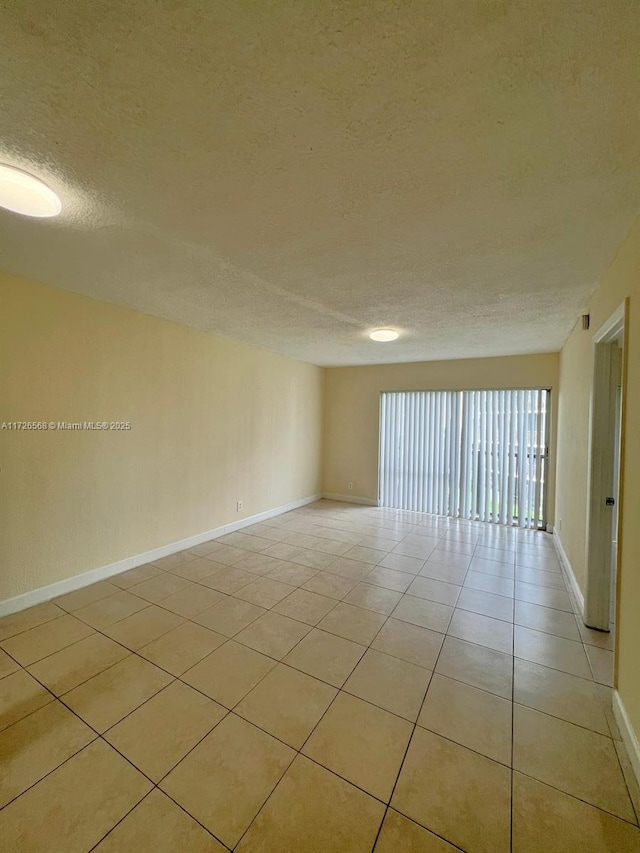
(478, 455)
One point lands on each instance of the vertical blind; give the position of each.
(477, 455)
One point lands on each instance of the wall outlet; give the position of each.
(349, 485)
(239, 506)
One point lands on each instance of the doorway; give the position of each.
(605, 458)
(478, 455)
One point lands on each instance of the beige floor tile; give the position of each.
(409, 642)
(421, 611)
(7, 664)
(546, 619)
(501, 555)
(20, 695)
(552, 580)
(229, 616)
(352, 623)
(109, 696)
(160, 587)
(160, 732)
(240, 539)
(87, 595)
(559, 694)
(38, 744)
(143, 627)
(314, 559)
(556, 598)
(389, 683)
(434, 590)
(229, 673)
(458, 555)
(325, 656)
(390, 579)
(549, 820)
(400, 563)
(418, 549)
(443, 572)
(366, 555)
(283, 551)
(483, 630)
(105, 612)
(331, 586)
(373, 598)
(69, 667)
(378, 543)
(633, 785)
(192, 600)
(305, 606)
(228, 580)
(273, 634)
(401, 835)
(467, 801)
(476, 665)
(575, 760)
(486, 603)
(361, 743)
(180, 649)
(542, 560)
(135, 576)
(76, 805)
(46, 639)
(474, 718)
(292, 574)
(225, 780)
(226, 554)
(258, 564)
(157, 824)
(287, 704)
(552, 651)
(264, 592)
(353, 569)
(197, 570)
(314, 811)
(601, 662)
(489, 583)
(492, 567)
(16, 623)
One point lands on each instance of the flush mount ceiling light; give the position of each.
(23, 193)
(384, 335)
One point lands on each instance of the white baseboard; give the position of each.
(350, 499)
(571, 578)
(53, 590)
(629, 737)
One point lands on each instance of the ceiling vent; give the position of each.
(585, 322)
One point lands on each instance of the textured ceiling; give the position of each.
(293, 174)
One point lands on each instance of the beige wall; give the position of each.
(213, 422)
(352, 403)
(621, 280)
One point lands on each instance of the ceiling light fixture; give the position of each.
(384, 335)
(23, 193)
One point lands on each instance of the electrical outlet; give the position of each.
(349, 485)
(240, 506)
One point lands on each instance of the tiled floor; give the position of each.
(339, 678)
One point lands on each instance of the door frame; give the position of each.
(597, 600)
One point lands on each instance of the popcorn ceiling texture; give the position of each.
(295, 174)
